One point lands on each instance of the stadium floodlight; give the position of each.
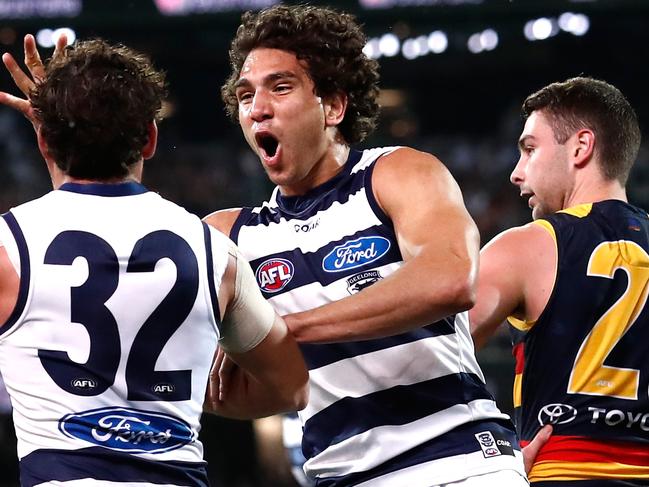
(389, 45)
(409, 49)
(489, 39)
(437, 41)
(47, 38)
(474, 44)
(44, 38)
(69, 33)
(371, 49)
(542, 28)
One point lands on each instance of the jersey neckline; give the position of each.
(298, 204)
(128, 188)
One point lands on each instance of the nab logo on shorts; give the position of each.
(274, 274)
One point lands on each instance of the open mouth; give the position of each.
(267, 144)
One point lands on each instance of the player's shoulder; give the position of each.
(223, 220)
(523, 242)
(405, 164)
(404, 158)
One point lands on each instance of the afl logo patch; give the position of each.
(84, 384)
(274, 274)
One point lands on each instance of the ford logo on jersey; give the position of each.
(274, 274)
(355, 253)
(128, 430)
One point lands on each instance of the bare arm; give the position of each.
(270, 375)
(517, 271)
(9, 286)
(439, 243)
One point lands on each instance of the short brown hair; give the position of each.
(332, 45)
(94, 107)
(584, 102)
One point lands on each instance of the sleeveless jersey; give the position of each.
(107, 353)
(582, 366)
(410, 409)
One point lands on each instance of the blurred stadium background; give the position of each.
(454, 73)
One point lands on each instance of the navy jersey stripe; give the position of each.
(450, 444)
(317, 355)
(354, 415)
(338, 189)
(25, 271)
(210, 273)
(102, 464)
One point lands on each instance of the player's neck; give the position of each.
(592, 191)
(59, 178)
(329, 165)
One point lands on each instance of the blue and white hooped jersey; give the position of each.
(410, 409)
(107, 353)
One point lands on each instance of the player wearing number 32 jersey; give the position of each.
(114, 299)
(574, 285)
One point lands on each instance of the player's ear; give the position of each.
(335, 106)
(149, 148)
(583, 146)
(42, 146)
(56, 175)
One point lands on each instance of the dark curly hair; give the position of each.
(94, 107)
(330, 42)
(584, 102)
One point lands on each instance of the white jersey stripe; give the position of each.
(379, 444)
(404, 364)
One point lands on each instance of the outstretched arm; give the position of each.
(438, 241)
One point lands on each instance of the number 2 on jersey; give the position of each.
(88, 307)
(589, 374)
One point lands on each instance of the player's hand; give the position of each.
(26, 82)
(532, 449)
(220, 377)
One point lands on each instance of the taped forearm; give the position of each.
(249, 317)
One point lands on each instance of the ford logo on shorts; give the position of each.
(355, 253)
(128, 430)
